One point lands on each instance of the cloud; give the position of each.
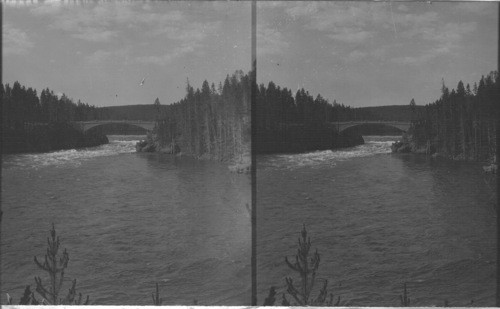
(169, 30)
(153, 19)
(443, 40)
(100, 56)
(412, 20)
(187, 36)
(356, 55)
(329, 17)
(425, 57)
(15, 41)
(411, 60)
(302, 9)
(355, 22)
(350, 35)
(341, 22)
(415, 28)
(269, 4)
(187, 31)
(95, 35)
(403, 8)
(147, 7)
(46, 8)
(168, 57)
(108, 22)
(476, 7)
(269, 41)
(102, 21)
(85, 22)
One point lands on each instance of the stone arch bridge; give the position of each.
(401, 125)
(87, 125)
(149, 125)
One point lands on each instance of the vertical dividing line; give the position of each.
(253, 149)
(1, 81)
(497, 154)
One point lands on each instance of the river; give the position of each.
(128, 220)
(379, 220)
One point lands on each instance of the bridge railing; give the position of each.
(117, 121)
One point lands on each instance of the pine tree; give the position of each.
(307, 268)
(55, 266)
(157, 106)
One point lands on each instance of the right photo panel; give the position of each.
(376, 153)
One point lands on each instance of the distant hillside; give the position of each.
(131, 112)
(149, 112)
(387, 113)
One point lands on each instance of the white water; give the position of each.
(73, 157)
(378, 220)
(318, 159)
(128, 220)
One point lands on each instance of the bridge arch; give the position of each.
(403, 126)
(87, 125)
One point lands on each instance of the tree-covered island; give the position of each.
(460, 125)
(214, 122)
(208, 123)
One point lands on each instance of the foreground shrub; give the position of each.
(55, 265)
(307, 267)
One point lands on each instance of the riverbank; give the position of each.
(134, 203)
(290, 139)
(152, 144)
(239, 164)
(300, 138)
(393, 217)
(409, 145)
(45, 137)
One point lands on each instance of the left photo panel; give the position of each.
(126, 153)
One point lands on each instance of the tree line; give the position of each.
(277, 106)
(209, 122)
(461, 123)
(40, 123)
(288, 123)
(22, 105)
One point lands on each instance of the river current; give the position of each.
(379, 220)
(128, 220)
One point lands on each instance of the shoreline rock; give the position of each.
(406, 145)
(241, 166)
(491, 169)
(150, 144)
(400, 147)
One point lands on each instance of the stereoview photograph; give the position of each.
(126, 153)
(375, 141)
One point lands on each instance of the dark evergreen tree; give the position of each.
(28, 120)
(208, 122)
(461, 123)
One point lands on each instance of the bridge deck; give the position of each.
(86, 125)
(401, 125)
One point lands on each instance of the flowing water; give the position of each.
(128, 220)
(379, 220)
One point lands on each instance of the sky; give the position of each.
(375, 53)
(357, 53)
(99, 51)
